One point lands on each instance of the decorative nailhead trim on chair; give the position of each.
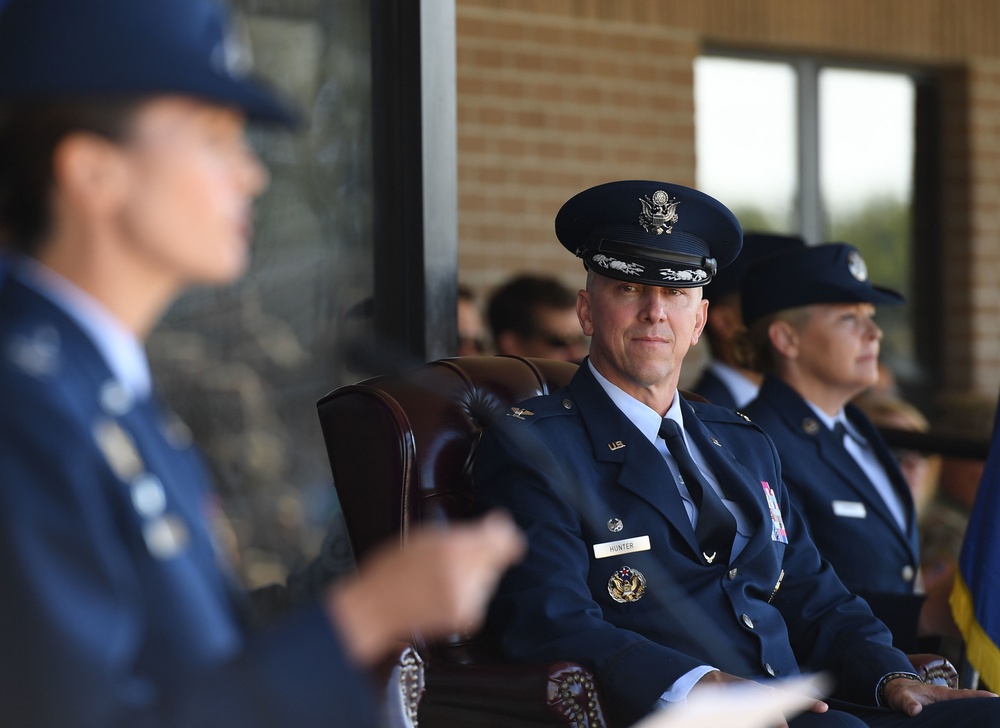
(579, 700)
(411, 682)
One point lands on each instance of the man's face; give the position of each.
(838, 346)
(190, 183)
(640, 334)
(557, 335)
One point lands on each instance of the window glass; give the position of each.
(245, 366)
(745, 131)
(866, 178)
(749, 117)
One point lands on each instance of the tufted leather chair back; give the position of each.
(401, 446)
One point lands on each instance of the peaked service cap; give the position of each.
(55, 49)
(653, 233)
(828, 273)
(756, 246)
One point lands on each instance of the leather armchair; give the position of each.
(401, 448)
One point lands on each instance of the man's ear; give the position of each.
(583, 312)
(89, 172)
(701, 318)
(784, 338)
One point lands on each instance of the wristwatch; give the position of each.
(886, 679)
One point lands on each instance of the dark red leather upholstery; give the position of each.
(401, 449)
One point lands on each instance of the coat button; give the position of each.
(732, 573)
(768, 669)
(567, 404)
(908, 573)
(747, 621)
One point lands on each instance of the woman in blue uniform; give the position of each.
(125, 178)
(810, 317)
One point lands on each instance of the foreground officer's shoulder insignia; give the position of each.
(37, 354)
(119, 450)
(659, 213)
(519, 413)
(626, 585)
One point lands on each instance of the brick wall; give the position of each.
(558, 95)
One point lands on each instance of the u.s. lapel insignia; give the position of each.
(615, 525)
(37, 354)
(777, 524)
(518, 413)
(616, 445)
(626, 585)
(810, 425)
(118, 449)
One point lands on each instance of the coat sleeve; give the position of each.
(830, 629)
(73, 616)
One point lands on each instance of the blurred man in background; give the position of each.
(536, 316)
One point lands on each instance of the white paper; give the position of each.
(739, 705)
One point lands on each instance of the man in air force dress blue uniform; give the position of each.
(662, 547)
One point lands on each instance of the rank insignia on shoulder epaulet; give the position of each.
(119, 449)
(37, 354)
(518, 413)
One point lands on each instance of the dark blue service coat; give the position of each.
(570, 467)
(847, 518)
(115, 611)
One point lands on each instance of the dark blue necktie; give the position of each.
(841, 432)
(716, 526)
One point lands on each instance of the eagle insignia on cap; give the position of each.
(856, 265)
(633, 269)
(659, 212)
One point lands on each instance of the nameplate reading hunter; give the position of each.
(619, 548)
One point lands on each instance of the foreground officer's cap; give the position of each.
(653, 233)
(756, 246)
(829, 273)
(56, 49)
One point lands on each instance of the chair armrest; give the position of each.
(543, 693)
(935, 669)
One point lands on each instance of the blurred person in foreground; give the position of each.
(723, 381)
(811, 329)
(124, 179)
(663, 547)
(536, 316)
